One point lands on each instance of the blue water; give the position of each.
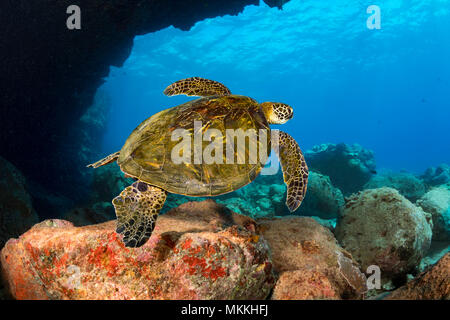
(386, 89)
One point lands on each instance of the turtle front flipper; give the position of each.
(137, 208)
(197, 87)
(111, 158)
(295, 170)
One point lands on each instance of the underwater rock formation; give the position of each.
(322, 199)
(264, 197)
(348, 166)
(437, 176)
(433, 284)
(97, 213)
(437, 250)
(406, 183)
(16, 210)
(381, 227)
(305, 285)
(255, 208)
(327, 223)
(310, 262)
(61, 69)
(437, 203)
(48, 204)
(86, 136)
(199, 250)
(107, 183)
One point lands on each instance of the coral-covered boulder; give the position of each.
(16, 210)
(199, 250)
(437, 176)
(437, 203)
(255, 208)
(322, 198)
(406, 183)
(310, 262)
(433, 284)
(381, 227)
(348, 166)
(265, 197)
(305, 285)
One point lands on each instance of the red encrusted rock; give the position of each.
(199, 250)
(310, 262)
(433, 284)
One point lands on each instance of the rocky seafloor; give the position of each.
(242, 245)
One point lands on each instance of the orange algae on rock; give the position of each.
(186, 258)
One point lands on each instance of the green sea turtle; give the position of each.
(151, 154)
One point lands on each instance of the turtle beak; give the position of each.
(290, 113)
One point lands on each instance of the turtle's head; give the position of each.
(277, 113)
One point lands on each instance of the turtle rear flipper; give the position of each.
(137, 208)
(295, 170)
(197, 87)
(111, 158)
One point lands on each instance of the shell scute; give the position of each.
(147, 153)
